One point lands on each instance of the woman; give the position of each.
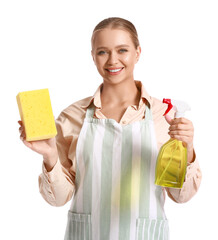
(105, 152)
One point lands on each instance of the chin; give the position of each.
(114, 81)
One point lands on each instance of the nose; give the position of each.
(112, 58)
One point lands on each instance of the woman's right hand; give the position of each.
(47, 148)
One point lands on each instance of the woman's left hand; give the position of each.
(182, 129)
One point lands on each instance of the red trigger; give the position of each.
(170, 106)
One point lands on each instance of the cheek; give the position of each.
(100, 65)
(130, 63)
(129, 60)
(126, 58)
(100, 62)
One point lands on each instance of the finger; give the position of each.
(184, 139)
(28, 144)
(51, 140)
(168, 119)
(181, 123)
(181, 126)
(181, 120)
(23, 134)
(21, 129)
(181, 133)
(20, 122)
(22, 137)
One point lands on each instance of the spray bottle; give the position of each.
(172, 158)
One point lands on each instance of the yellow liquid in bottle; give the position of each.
(171, 164)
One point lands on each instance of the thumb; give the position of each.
(168, 119)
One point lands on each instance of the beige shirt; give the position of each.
(57, 186)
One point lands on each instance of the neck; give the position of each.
(123, 93)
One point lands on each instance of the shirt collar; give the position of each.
(96, 98)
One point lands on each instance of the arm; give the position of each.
(52, 178)
(190, 185)
(56, 182)
(183, 130)
(193, 172)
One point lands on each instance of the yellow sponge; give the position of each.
(36, 114)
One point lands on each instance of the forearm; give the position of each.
(50, 161)
(191, 184)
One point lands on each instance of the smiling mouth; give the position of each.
(115, 70)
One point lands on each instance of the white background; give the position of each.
(46, 44)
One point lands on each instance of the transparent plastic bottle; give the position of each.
(172, 158)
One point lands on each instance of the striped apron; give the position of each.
(115, 196)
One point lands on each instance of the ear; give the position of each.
(138, 53)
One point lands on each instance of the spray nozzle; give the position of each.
(170, 106)
(179, 106)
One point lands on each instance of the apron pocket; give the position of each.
(152, 229)
(78, 226)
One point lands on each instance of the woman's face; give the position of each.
(115, 55)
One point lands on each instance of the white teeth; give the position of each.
(115, 70)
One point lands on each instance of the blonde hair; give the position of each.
(114, 23)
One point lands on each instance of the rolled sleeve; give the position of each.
(190, 186)
(54, 187)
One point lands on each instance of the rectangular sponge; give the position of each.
(36, 114)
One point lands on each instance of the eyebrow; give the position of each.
(118, 46)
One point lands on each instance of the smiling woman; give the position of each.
(115, 54)
(105, 152)
(115, 50)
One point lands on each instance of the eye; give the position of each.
(101, 52)
(122, 50)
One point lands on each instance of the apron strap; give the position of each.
(148, 113)
(90, 111)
